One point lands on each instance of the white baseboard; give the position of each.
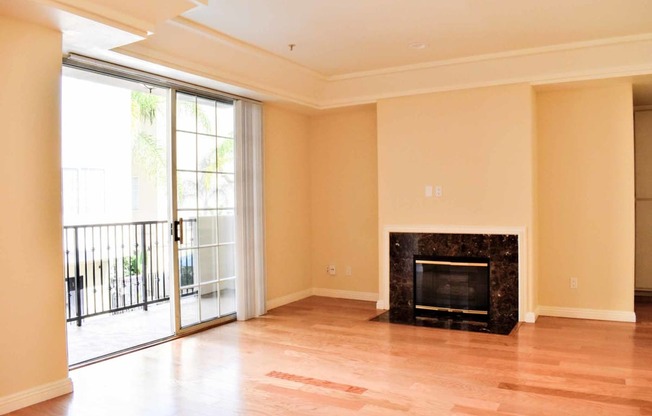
(35, 395)
(316, 291)
(531, 317)
(345, 294)
(580, 313)
(284, 300)
(380, 304)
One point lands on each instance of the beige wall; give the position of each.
(643, 154)
(32, 320)
(533, 265)
(586, 197)
(287, 201)
(344, 199)
(476, 144)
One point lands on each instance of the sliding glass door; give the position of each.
(142, 161)
(205, 211)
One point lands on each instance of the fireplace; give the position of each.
(451, 285)
(455, 306)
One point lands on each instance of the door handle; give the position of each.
(177, 230)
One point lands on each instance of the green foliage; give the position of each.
(192, 109)
(149, 154)
(144, 107)
(145, 148)
(186, 275)
(131, 265)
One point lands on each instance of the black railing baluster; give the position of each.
(144, 275)
(108, 266)
(164, 235)
(157, 278)
(93, 269)
(85, 273)
(115, 267)
(192, 267)
(150, 257)
(67, 272)
(78, 279)
(126, 268)
(136, 245)
(102, 272)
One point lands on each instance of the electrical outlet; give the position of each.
(349, 271)
(438, 191)
(573, 282)
(330, 269)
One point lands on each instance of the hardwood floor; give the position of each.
(323, 356)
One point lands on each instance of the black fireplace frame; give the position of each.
(451, 312)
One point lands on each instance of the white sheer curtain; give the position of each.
(250, 248)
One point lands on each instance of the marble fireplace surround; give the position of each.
(524, 283)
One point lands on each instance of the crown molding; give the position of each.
(609, 60)
(532, 80)
(492, 56)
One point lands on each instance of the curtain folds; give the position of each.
(250, 248)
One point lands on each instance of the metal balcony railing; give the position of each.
(115, 267)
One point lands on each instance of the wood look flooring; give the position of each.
(323, 356)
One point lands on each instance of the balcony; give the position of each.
(118, 286)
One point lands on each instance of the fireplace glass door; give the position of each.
(451, 285)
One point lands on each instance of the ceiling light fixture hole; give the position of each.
(418, 45)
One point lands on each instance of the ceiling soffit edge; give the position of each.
(109, 17)
(112, 16)
(223, 38)
(257, 90)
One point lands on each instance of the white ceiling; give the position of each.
(335, 37)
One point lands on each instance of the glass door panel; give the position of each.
(205, 179)
(114, 154)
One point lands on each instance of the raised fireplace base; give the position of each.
(407, 317)
(502, 250)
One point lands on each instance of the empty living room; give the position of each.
(291, 207)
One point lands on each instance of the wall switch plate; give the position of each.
(428, 191)
(330, 269)
(573, 282)
(438, 191)
(349, 271)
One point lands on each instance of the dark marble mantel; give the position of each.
(502, 251)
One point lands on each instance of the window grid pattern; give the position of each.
(206, 203)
